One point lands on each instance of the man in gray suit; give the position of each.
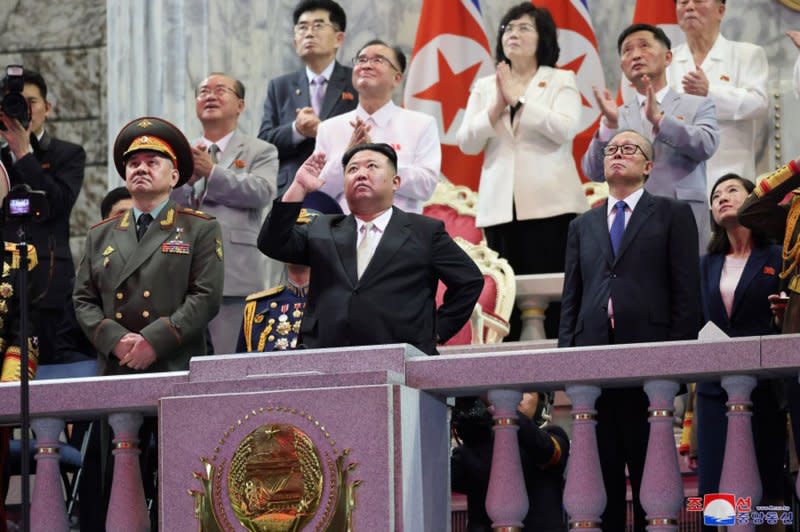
(682, 127)
(297, 102)
(233, 180)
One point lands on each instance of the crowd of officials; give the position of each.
(297, 237)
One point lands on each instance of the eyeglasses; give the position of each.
(521, 27)
(375, 60)
(219, 91)
(303, 27)
(624, 149)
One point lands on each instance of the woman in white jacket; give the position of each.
(523, 119)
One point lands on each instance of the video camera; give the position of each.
(22, 204)
(14, 104)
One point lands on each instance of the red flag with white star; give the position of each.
(451, 51)
(579, 53)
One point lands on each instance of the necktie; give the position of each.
(618, 226)
(365, 248)
(142, 224)
(318, 93)
(213, 151)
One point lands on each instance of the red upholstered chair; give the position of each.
(455, 205)
(489, 321)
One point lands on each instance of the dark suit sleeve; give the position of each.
(705, 287)
(272, 129)
(62, 181)
(547, 447)
(684, 274)
(573, 289)
(280, 238)
(463, 280)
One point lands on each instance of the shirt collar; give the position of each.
(381, 117)
(640, 98)
(380, 222)
(631, 200)
(326, 72)
(221, 143)
(300, 291)
(154, 213)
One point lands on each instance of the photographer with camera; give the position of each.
(34, 157)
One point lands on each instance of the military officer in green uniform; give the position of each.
(151, 278)
(272, 317)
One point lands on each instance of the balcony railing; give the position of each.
(502, 371)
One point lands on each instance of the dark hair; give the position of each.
(238, 86)
(657, 32)
(547, 50)
(719, 243)
(380, 147)
(32, 77)
(335, 12)
(114, 195)
(398, 53)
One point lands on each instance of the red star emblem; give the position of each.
(575, 65)
(452, 89)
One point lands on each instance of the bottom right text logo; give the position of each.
(726, 509)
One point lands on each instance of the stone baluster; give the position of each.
(127, 509)
(48, 512)
(507, 498)
(584, 493)
(739, 469)
(661, 493)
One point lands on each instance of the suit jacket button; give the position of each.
(145, 314)
(120, 295)
(118, 315)
(146, 294)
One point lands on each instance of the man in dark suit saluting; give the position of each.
(298, 101)
(375, 271)
(631, 276)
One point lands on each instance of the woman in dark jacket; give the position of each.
(737, 276)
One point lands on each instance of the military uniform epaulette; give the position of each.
(193, 212)
(109, 219)
(266, 293)
(33, 258)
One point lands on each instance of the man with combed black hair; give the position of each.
(376, 270)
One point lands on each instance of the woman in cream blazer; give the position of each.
(523, 119)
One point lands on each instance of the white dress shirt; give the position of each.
(413, 135)
(737, 75)
(612, 213)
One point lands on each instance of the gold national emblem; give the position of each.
(144, 123)
(285, 475)
(276, 480)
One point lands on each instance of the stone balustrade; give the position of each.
(404, 393)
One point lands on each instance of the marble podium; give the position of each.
(329, 440)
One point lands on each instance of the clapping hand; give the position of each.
(652, 110)
(695, 82)
(608, 107)
(306, 122)
(360, 133)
